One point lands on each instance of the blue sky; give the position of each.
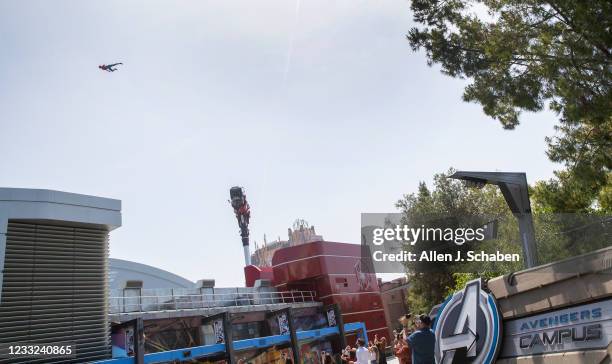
(320, 109)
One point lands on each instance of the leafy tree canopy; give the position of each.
(448, 197)
(558, 236)
(522, 55)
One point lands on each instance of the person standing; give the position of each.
(373, 353)
(362, 354)
(327, 359)
(422, 342)
(382, 348)
(345, 358)
(401, 350)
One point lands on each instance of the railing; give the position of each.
(186, 301)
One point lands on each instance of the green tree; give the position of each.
(567, 193)
(451, 197)
(524, 55)
(558, 236)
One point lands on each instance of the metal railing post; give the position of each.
(123, 304)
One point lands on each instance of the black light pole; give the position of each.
(515, 190)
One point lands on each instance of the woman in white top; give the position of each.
(362, 354)
(373, 353)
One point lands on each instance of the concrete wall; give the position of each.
(575, 281)
(569, 282)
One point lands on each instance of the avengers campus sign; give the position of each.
(468, 327)
(571, 329)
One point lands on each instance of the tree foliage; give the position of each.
(522, 55)
(558, 236)
(448, 197)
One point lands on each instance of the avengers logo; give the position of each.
(468, 327)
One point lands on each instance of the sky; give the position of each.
(320, 109)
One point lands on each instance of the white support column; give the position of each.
(247, 255)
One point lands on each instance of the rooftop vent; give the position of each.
(206, 283)
(55, 289)
(133, 284)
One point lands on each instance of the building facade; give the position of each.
(54, 269)
(123, 271)
(335, 273)
(394, 296)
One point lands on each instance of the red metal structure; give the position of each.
(333, 270)
(253, 273)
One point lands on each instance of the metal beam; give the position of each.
(228, 340)
(292, 334)
(335, 308)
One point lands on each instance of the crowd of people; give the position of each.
(413, 344)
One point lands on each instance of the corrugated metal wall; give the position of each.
(55, 289)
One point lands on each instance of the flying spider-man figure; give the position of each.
(109, 67)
